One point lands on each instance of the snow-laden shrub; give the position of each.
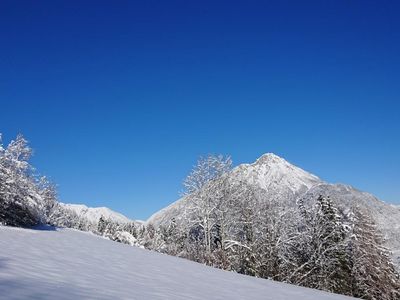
(25, 198)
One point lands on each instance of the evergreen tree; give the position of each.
(101, 225)
(373, 274)
(322, 259)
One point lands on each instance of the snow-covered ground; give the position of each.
(48, 263)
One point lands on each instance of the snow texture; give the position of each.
(50, 263)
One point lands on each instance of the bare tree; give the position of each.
(204, 194)
(207, 169)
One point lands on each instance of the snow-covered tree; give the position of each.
(373, 274)
(322, 259)
(204, 194)
(20, 200)
(207, 169)
(101, 225)
(63, 217)
(48, 195)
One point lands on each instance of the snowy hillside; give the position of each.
(68, 264)
(93, 214)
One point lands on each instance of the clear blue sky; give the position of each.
(118, 99)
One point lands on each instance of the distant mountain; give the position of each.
(93, 214)
(281, 181)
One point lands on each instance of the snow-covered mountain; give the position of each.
(49, 263)
(93, 214)
(272, 172)
(279, 179)
(284, 182)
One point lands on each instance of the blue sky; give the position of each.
(119, 99)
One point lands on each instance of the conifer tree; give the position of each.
(373, 274)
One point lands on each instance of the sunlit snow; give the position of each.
(49, 263)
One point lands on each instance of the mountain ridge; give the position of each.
(93, 214)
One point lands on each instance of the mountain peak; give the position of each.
(273, 172)
(270, 158)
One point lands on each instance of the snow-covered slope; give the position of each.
(67, 264)
(93, 214)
